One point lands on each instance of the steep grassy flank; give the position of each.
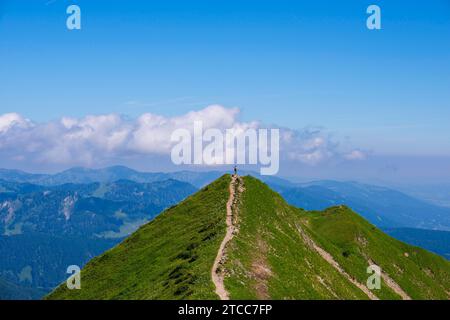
(353, 242)
(168, 258)
(269, 259)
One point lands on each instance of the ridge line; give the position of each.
(217, 275)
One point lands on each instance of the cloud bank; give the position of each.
(93, 140)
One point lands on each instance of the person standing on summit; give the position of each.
(235, 170)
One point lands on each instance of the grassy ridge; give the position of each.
(172, 256)
(168, 258)
(353, 241)
(268, 258)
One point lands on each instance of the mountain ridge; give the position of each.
(382, 206)
(269, 255)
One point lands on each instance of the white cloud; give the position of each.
(92, 140)
(152, 132)
(10, 120)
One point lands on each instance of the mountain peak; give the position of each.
(236, 238)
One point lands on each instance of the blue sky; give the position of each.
(293, 63)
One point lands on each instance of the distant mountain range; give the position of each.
(238, 239)
(34, 263)
(382, 206)
(88, 211)
(95, 209)
(109, 174)
(44, 229)
(432, 240)
(12, 291)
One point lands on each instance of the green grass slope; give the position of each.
(169, 258)
(277, 253)
(353, 242)
(270, 259)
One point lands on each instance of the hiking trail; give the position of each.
(217, 273)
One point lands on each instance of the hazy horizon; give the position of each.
(351, 103)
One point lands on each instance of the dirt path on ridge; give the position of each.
(217, 274)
